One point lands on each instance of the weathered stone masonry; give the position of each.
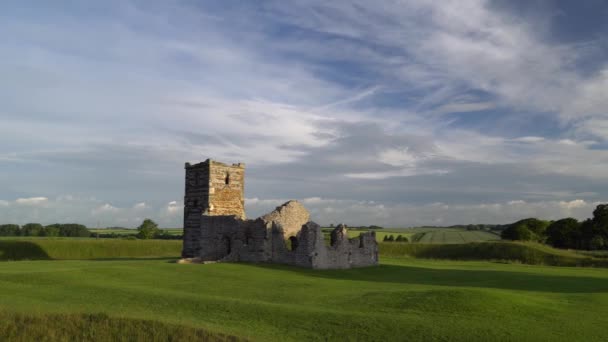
(215, 228)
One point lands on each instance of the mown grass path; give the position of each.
(403, 299)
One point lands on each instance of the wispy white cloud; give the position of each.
(354, 96)
(32, 201)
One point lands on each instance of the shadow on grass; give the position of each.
(508, 280)
(21, 250)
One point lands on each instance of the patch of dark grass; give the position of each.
(97, 327)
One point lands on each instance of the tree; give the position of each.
(51, 230)
(598, 242)
(600, 220)
(32, 229)
(526, 230)
(600, 215)
(385, 238)
(391, 238)
(73, 230)
(9, 230)
(147, 230)
(564, 233)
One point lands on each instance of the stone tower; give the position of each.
(212, 189)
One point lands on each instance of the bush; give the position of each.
(401, 238)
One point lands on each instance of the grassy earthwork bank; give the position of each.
(133, 291)
(85, 248)
(518, 252)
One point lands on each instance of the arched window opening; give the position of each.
(292, 243)
(225, 246)
(248, 237)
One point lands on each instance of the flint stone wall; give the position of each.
(230, 238)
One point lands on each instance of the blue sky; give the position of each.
(395, 113)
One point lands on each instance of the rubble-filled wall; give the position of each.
(215, 228)
(226, 189)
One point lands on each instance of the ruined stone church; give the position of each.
(216, 227)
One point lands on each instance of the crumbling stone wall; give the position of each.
(223, 233)
(290, 216)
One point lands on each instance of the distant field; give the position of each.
(126, 231)
(448, 236)
(380, 234)
(432, 235)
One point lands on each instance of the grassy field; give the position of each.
(403, 299)
(142, 296)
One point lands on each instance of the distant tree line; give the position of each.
(148, 229)
(36, 229)
(391, 238)
(591, 234)
(359, 227)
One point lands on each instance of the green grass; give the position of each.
(403, 299)
(96, 327)
(86, 248)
